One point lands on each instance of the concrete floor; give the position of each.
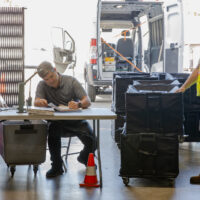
(24, 186)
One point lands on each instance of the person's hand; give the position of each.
(181, 89)
(41, 103)
(73, 105)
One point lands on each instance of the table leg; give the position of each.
(96, 130)
(98, 151)
(94, 126)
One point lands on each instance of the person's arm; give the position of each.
(190, 81)
(40, 99)
(83, 103)
(79, 93)
(40, 102)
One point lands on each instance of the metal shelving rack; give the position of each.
(11, 52)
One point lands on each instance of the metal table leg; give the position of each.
(97, 131)
(98, 151)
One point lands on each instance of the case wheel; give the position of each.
(12, 170)
(35, 169)
(171, 182)
(125, 180)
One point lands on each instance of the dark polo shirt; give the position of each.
(69, 89)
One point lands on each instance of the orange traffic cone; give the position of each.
(90, 177)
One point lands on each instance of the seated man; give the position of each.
(63, 90)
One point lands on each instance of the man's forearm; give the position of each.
(85, 102)
(191, 79)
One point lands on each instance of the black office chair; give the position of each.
(124, 47)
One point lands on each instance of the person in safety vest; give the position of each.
(193, 78)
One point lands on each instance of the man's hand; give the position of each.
(85, 103)
(41, 102)
(73, 105)
(181, 89)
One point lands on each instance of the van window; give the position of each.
(156, 30)
(173, 20)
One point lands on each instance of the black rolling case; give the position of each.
(154, 112)
(149, 155)
(120, 87)
(117, 127)
(154, 123)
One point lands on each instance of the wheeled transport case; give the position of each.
(150, 140)
(149, 155)
(23, 143)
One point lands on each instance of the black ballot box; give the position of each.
(23, 142)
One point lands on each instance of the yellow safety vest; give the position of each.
(198, 83)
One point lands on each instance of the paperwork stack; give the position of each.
(33, 110)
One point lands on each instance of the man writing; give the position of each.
(63, 90)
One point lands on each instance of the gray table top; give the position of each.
(90, 114)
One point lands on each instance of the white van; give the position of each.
(144, 36)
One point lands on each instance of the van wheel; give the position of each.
(91, 90)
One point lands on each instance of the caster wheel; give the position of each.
(171, 182)
(181, 139)
(35, 169)
(125, 180)
(12, 171)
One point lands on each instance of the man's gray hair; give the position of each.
(44, 68)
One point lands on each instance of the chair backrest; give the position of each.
(125, 46)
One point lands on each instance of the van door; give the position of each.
(63, 49)
(173, 37)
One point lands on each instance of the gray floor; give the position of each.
(25, 186)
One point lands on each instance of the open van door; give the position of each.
(63, 49)
(173, 37)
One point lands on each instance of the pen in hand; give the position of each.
(73, 104)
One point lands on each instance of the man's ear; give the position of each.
(55, 69)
